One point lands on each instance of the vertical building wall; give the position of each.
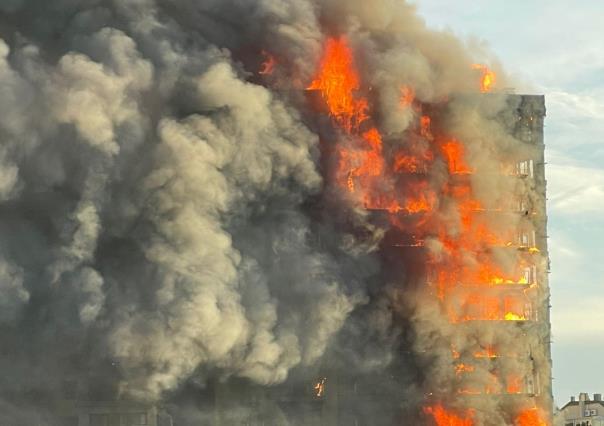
(530, 111)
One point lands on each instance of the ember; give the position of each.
(320, 387)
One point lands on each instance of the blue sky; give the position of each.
(556, 48)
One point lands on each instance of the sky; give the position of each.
(556, 48)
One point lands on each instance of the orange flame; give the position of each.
(487, 78)
(478, 306)
(406, 163)
(530, 417)
(425, 122)
(444, 418)
(338, 80)
(423, 203)
(453, 151)
(454, 352)
(377, 181)
(363, 163)
(474, 240)
(488, 352)
(463, 368)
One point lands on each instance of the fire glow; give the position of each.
(397, 183)
(442, 417)
(530, 417)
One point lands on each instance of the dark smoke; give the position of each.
(164, 224)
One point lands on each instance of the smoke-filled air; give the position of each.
(266, 212)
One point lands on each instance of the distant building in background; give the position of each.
(583, 412)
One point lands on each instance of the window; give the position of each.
(523, 239)
(526, 238)
(529, 274)
(524, 168)
(521, 205)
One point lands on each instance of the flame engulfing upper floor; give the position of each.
(461, 194)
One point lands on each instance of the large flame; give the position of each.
(454, 154)
(338, 80)
(442, 417)
(465, 274)
(530, 417)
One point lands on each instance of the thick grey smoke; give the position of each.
(151, 199)
(164, 216)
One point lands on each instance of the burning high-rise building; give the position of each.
(270, 212)
(465, 225)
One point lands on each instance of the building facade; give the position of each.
(583, 411)
(511, 379)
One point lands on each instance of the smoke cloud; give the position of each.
(169, 220)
